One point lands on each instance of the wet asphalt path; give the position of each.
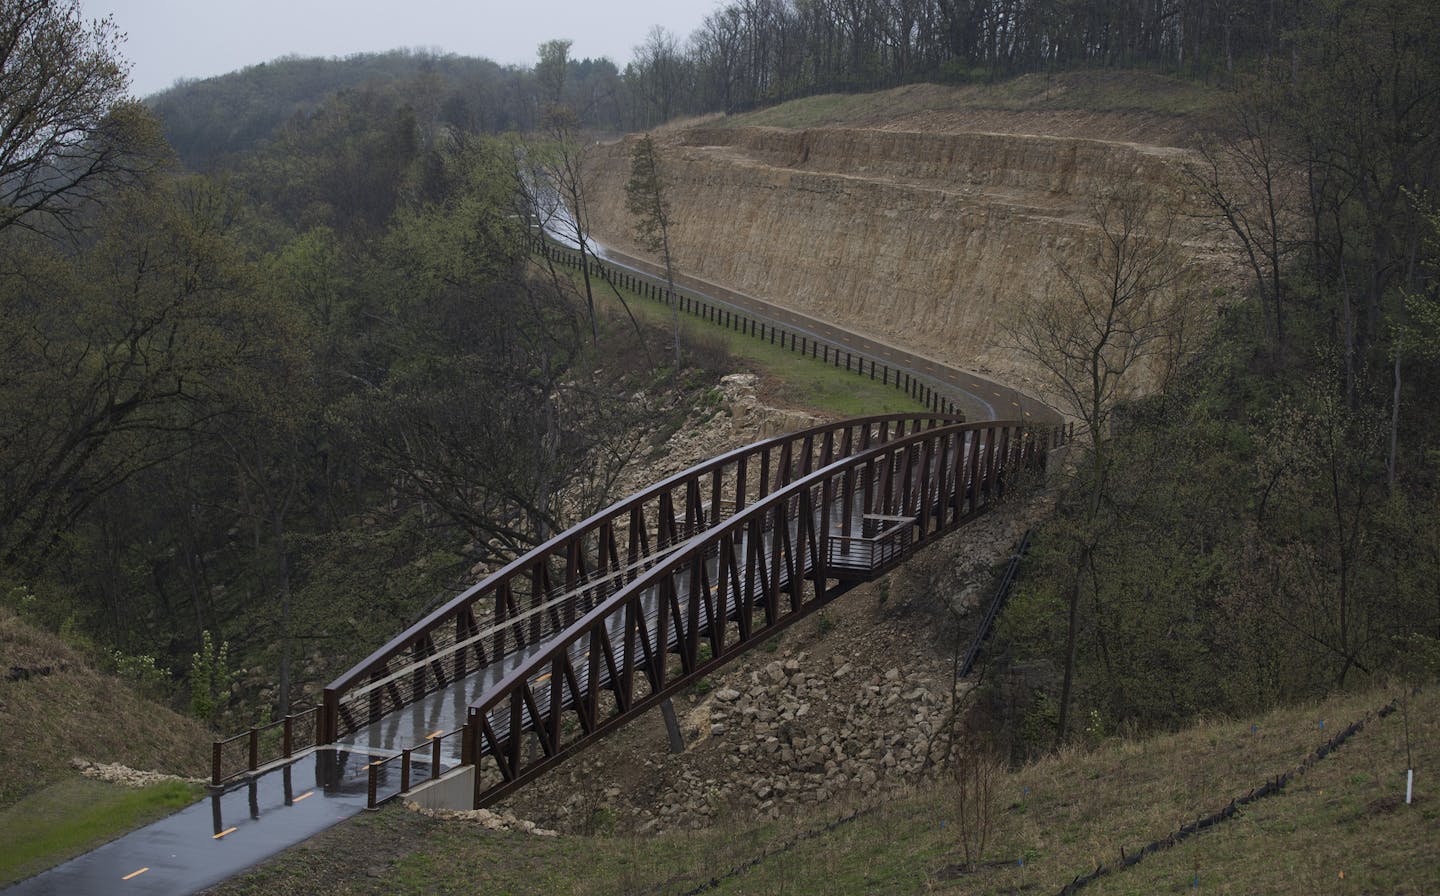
(218, 837)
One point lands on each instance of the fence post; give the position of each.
(215, 763)
(372, 784)
(286, 739)
(254, 748)
(405, 770)
(328, 729)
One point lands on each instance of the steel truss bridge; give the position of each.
(613, 616)
(609, 618)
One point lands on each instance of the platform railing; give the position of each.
(396, 775)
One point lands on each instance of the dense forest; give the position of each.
(256, 420)
(1266, 528)
(750, 53)
(280, 370)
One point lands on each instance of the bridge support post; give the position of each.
(672, 727)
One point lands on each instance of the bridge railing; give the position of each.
(263, 744)
(547, 589)
(733, 586)
(886, 540)
(394, 775)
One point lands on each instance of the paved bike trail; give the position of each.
(217, 837)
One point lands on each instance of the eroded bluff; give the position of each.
(930, 240)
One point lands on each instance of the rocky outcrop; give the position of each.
(797, 734)
(766, 742)
(929, 240)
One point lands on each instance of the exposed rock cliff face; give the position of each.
(929, 240)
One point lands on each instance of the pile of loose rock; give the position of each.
(491, 821)
(796, 734)
(766, 743)
(115, 773)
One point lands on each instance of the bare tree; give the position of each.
(1120, 319)
(1258, 192)
(1120, 316)
(977, 772)
(558, 176)
(657, 74)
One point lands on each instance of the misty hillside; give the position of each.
(208, 120)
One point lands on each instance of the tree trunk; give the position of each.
(1394, 424)
(282, 581)
(1071, 636)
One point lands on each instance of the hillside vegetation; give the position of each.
(56, 707)
(254, 420)
(1242, 323)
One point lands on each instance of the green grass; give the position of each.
(77, 814)
(804, 381)
(1061, 815)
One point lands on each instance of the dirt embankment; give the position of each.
(928, 239)
(55, 710)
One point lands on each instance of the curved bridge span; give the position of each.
(609, 618)
(734, 584)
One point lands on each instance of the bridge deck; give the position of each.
(727, 583)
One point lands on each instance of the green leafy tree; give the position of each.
(67, 131)
(112, 357)
(211, 677)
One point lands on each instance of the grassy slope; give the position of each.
(800, 381)
(74, 711)
(1139, 93)
(57, 708)
(1062, 815)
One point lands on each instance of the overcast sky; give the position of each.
(170, 39)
